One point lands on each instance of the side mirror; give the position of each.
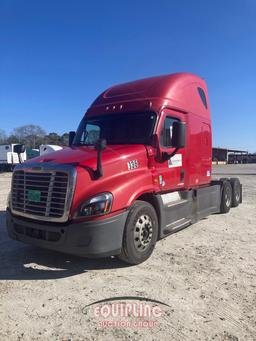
(71, 137)
(100, 145)
(19, 148)
(178, 134)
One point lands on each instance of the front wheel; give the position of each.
(140, 235)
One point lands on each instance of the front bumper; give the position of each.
(100, 238)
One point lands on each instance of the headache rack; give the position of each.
(43, 192)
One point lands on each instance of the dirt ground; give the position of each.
(205, 273)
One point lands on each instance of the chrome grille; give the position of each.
(51, 188)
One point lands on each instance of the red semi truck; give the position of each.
(138, 168)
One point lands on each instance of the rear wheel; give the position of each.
(226, 197)
(236, 192)
(140, 235)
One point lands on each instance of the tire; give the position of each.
(236, 192)
(140, 234)
(226, 197)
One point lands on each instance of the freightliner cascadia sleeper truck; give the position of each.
(138, 168)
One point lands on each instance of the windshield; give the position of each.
(134, 128)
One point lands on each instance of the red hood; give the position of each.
(87, 156)
(118, 174)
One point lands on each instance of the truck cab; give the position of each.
(138, 168)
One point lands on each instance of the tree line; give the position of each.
(32, 136)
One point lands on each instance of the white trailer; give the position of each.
(48, 148)
(9, 159)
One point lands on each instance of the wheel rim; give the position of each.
(228, 197)
(237, 194)
(143, 232)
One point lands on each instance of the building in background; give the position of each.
(226, 155)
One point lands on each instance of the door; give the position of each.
(170, 170)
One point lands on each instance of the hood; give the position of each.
(86, 156)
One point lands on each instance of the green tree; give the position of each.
(52, 138)
(64, 139)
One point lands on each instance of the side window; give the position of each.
(166, 132)
(91, 135)
(202, 96)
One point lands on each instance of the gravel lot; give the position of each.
(205, 273)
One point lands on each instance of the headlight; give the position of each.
(98, 205)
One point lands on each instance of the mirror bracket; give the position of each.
(99, 146)
(166, 156)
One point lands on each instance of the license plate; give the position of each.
(34, 195)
